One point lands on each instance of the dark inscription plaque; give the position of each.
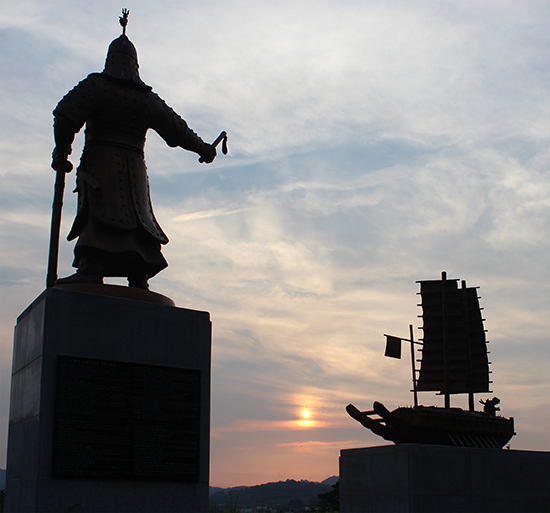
(117, 420)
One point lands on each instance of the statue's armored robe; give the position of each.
(115, 215)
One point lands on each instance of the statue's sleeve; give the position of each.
(71, 113)
(173, 129)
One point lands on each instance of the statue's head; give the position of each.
(122, 62)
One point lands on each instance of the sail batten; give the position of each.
(454, 355)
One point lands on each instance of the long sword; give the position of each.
(57, 207)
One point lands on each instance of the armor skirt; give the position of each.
(122, 252)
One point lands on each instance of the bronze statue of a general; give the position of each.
(117, 232)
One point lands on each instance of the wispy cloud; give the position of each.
(204, 214)
(373, 146)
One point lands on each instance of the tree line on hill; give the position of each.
(283, 496)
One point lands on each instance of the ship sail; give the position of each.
(454, 351)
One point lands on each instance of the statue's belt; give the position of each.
(118, 140)
(115, 140)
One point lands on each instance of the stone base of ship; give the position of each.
(432, 478)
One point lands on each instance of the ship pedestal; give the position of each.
(110, 406)
(435, 478)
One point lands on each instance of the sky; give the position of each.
(372, 144)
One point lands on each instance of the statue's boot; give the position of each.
(80, 277)
(138, 281)
(89, 271)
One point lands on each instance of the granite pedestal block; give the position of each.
(110, 406)
(435, 478)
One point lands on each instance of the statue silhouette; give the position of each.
(118, 234)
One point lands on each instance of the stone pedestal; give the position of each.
(110, 406)
(434, 478)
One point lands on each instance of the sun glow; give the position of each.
(305, 420)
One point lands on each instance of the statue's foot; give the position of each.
(138, 282)
(80, 278)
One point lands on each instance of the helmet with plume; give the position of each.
(121, 62)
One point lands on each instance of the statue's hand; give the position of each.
(62, 165)
(60, 162)
(208, 153)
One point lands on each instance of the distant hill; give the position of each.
(216, 489)
(330, 480)
(279, 495)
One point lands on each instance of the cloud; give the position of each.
(373, 146)
(314, 446)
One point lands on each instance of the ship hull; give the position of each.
(434, 425)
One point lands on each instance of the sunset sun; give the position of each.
(305, 420)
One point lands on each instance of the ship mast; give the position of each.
(413, 366)
(393, 350)
(445, 344)
(471, 405)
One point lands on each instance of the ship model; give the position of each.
(454, 361)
